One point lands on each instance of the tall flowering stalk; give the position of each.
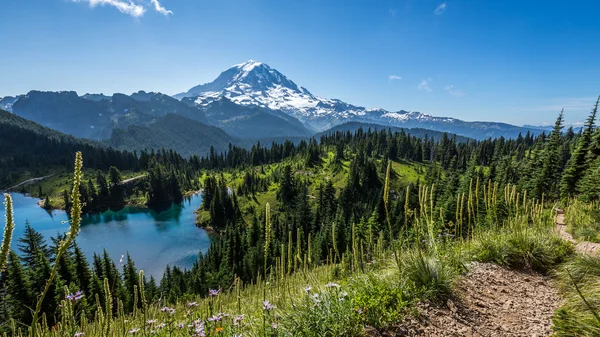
(386, 204)
(8, 231)
(267, 235)
(73, 231)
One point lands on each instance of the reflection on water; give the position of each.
(152, 238)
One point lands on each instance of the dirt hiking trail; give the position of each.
(582, 247)
(490, 301)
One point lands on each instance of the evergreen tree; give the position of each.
(579, 163)
(31, 245)
(549, 173)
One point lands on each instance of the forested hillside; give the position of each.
(29, 149)
(174, 132)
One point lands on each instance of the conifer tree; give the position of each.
(548, 175)
(579, 162)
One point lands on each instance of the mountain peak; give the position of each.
(245, 82)
(249, 65)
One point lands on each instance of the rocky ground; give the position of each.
(490, 301)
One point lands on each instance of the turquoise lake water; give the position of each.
(153, 239)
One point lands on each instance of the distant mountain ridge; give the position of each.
(248, 101)
(416, 132)
(257, 84)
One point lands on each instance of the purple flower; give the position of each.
(332, 285)
(76, 296)
(168, 310)
(212, 292)
(79, 334)
(267, 306)
(215, 318)
(199, 332)
(192, 304)
(151, 321)
(274, 325)
(134, 331)
(238, 319)
(181, 326)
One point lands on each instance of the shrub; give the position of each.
(328, 313)
(524, 248)
(379, 300)
(428, 274)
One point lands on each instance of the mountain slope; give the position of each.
(256, 84)
(186, 136)
(26, 146)
(249, 121)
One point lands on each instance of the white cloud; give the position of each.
(440, 9)
(425, 85)
(134, 8)
(452, 90)
(394, 78)
(159, 8)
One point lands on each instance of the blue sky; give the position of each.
(512, 61)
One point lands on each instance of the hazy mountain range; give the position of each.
(249, 101)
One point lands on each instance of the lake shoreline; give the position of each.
(153, 238)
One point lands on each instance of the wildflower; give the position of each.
(192, 304)
(267, 306)
(151, 321)
(168, 310)
(359, 311)
(76, 296)
(213, 292)
(199, 332)
(274, 325)
(181, 326)
(344, 294)
(134, 331)
(215, 318)
(219, 329)
(238, 319)
(161, 325)
(79, 334)
(308, 289)
(332, 285)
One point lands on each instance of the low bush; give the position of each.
(327, 313)
(430, 276)
(524, 248)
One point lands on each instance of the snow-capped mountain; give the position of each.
(256, 84)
